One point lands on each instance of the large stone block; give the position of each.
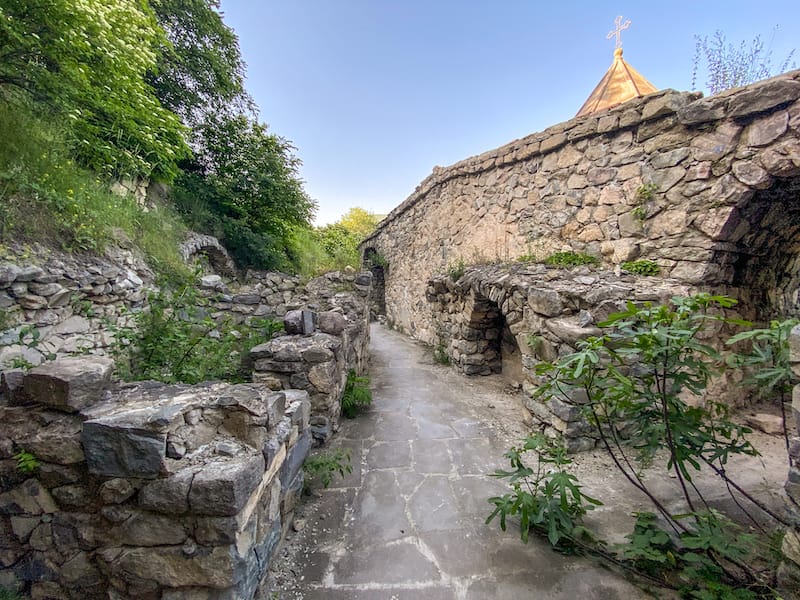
(69, 384)
(299, 322)
(123, 451)
(222, 487)
(169, 495)
(295, 458)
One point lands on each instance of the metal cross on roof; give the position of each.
(620, 27)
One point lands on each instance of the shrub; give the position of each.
(357, 396)
(440, 354)
(637, 380)
(321, 467)
(641, 267)
(26, 462)
(456, 270)
(175, 340)
(546, 497)
(570, 259)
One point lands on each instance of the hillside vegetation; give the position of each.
(96, 91)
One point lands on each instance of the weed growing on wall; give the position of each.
(456, 270)
(638, 380)
(641, 267)
(175, 340)
(569, 259)
(440, 354)
(26, 462)
(320, 468)
(357, 396)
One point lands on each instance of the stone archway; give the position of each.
(759, 247)
(377, 265)
(487, 345)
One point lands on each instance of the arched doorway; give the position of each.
(376, 263)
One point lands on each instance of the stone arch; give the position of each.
(209, 246)
(758, 250)
(377, 265)
(487, 345)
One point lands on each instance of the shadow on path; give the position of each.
(408, 523)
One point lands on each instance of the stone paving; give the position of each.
(408, 523)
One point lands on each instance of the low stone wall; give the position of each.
(789, 570)
(147, 490)
(61, 303)
(323, 348)
(509, 318)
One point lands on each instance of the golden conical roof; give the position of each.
(620, 83)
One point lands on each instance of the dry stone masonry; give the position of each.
(146, 490)
(508, 318)
(720, 207)
(149, 490)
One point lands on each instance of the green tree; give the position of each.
(200, 68)
(727, 65)
(86, 60)
(244, 187)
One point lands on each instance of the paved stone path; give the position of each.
(408, 523)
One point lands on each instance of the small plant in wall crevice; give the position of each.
(357, 396)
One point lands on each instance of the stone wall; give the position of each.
(323, 348)
(61, 302)
(509, 318)
(723, 208)
(145, 491)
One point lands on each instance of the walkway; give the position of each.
(408, 523)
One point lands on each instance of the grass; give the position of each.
(46, 197)
(641, 267)
(571, 259)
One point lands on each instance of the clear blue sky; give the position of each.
(374, 93)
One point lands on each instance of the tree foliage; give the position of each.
(244, 188)
(86, 60)
(200, 69)
(728, 65)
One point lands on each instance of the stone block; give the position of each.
(147, 529)
(69, 384)
(29, 498)
(545, 302)
(116, 491)
(169, 495)
(761, 98)
(11, 386)
(320, 428)
(772, 424)
(332, 322)
(299, 322)
(295, 458)
(173, 566)
(123, 451)
(223, 487)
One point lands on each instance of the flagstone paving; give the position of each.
(408, 522)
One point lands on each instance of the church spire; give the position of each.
(620, 83)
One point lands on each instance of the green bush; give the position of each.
(571, 259)
(174, 340)
(9, 594)
(46, 197)
(637, 380)
(456, 270)
(546, 497)
(357, 396)
(440, 354)
(641, 267)
(321, 467)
